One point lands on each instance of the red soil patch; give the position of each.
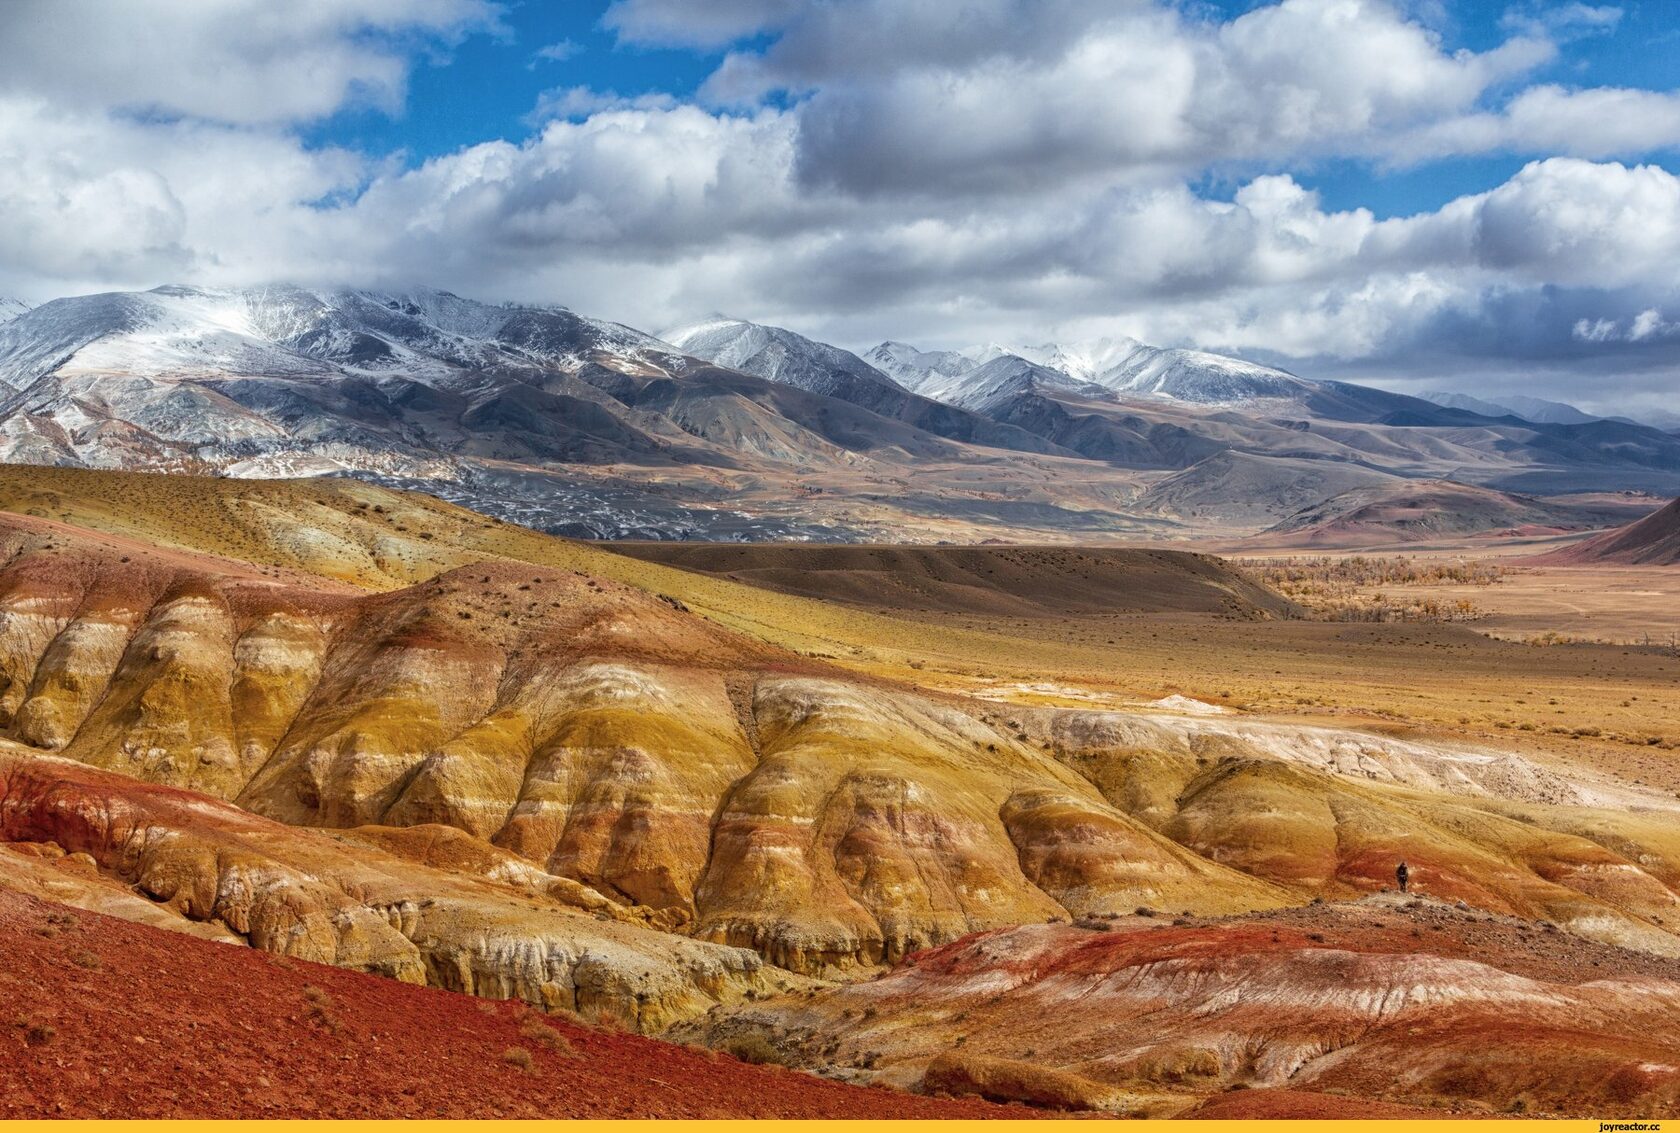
(103, 1018)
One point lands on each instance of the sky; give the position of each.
(1423, 194)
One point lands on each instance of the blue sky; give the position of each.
(487, 87)
(1408, 192)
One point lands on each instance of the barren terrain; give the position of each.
(734, 799)
(113, 1020)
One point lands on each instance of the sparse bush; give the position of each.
(539, 1032)
(520, 1057)
(1341, 589)
(82, 958)
(753, 1048)
(320, 1009)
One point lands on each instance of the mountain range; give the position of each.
(727, 429)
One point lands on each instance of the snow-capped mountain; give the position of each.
(11, 308)
(1536, 409)
(284, 380)
(1122, 366)
(990, 384)
(577, 425)
(932, 373)
(780, 355)
(533, 413)
(773, 353)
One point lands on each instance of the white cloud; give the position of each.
(1018, 92)
(1563, 20)
(1598, 122)
(1027, 171)
(238, 61)
(583, 102)
(683, 23)
(1648, 325)
(557, 52)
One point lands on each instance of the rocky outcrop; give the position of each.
(1395, 999)
(508, 933)
(618, 747)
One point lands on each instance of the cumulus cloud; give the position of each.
(681, 23)
(1018, 91)
(875, 168)
(240, 61)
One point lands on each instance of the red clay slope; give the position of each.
(103, 1018)
(1652, 541)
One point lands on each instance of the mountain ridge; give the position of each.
(587, 427)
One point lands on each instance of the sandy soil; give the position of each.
(1615, 604)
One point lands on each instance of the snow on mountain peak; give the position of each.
(775, 353)
(1123, 366)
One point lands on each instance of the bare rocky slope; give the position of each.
(1652, 541)
(1412, 511)
(581, 426)
(112, 1020)
(1404, 1001)
(343, 724)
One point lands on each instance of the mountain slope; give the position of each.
(570, 423)
(1535, 409)
(1652, 541)
(640, 731)
(308, 1041)
(1249, 488)
(1119, 365)
(1011, 581)
(1144, 407)
(583, 427)
(782, 356)
(1406, 511)
(1429, 1006)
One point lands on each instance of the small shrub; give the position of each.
(520, 1057)
(320, 1008)
(543, 1035)
(85, 959)
(753, 1048)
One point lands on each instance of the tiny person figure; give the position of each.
(1401, 873)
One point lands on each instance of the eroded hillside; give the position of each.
(339, 723)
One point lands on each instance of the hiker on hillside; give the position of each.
(1401, 873)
